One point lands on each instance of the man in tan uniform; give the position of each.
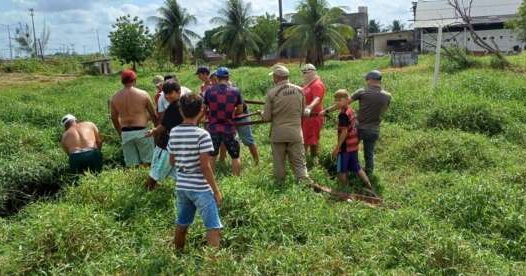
(284, 107)
(81, 142)
(131, 110)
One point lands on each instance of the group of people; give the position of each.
(179, 148)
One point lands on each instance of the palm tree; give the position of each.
(315, 26)
(173, 34)
(235, 36)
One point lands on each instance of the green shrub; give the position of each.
(489, 208)
(457, 59)
(59, 237)
(439, 151)
(477, 118)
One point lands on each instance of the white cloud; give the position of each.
(75, 21)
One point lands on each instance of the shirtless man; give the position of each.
(131, 110)
(81, 141)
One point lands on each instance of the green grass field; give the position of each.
(449, 166)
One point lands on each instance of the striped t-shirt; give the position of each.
(187, 142)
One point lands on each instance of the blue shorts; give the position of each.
(245, 133)
(187, 203)
(348, 162)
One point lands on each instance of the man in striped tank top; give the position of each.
(196, 189)
(346, 150)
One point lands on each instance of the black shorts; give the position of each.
(230, 142)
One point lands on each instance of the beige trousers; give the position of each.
(295, 152)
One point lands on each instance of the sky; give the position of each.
(75, 23)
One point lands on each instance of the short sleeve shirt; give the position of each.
(187, 143)
(347, 121)
(222, 101)
(172, 118)
(373, 103)
(314, 89)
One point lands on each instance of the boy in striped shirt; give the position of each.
(346, 150)
(196, 189)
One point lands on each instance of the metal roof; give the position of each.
(431, 14)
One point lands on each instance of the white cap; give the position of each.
(67, 118)
(308, 67)
(279, 70)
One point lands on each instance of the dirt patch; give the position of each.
(24, 80)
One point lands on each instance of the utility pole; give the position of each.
(32, 13)
(98, 40)
(437, 57)
(280, 34)
(10, 45)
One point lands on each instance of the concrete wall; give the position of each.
(379, 41)
(506, 40)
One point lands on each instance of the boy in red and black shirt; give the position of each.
(346, 150)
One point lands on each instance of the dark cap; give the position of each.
(374, 75)
(202, 70)
(128, 76)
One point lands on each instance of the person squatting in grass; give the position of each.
(314, 91)
(374, 101)
(224, 103)
(131, 110)
(284, 106)
(196, 189)
(346, 150)
(82, 143)
(161, 167)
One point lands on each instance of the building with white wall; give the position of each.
(489, 18)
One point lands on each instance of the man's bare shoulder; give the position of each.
(140, 92)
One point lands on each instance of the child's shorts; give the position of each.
(245, 133)
(348, 162)
(230, 141)
(188, 202)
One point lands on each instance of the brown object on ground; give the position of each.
(371, 201)
(254, 102)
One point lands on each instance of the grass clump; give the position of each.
(59, 237)
(476, 118)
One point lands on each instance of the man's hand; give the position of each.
(219, 198)
(307, 112)
(335, 153)
(323, 113)
(149, 133)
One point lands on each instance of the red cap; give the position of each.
(128, 76)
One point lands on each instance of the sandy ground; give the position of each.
(9, 80)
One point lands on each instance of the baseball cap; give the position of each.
(157, 80)
(202, 69)
(128, 76)
(279, 70)
(67, 118)
(222, 72)
(308, 67)
(373, 75)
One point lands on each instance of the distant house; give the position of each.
(380, 44)
(489, 17)
(211, 56)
